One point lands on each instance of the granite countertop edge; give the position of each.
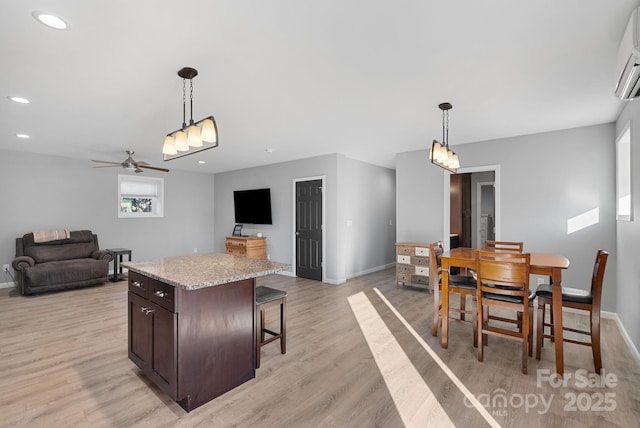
(218, 281)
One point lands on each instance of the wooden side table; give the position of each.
(117, 254)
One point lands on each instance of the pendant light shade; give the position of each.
(169, 146)
(181, 141)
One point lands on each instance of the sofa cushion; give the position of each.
(66, 271)
(79, 245)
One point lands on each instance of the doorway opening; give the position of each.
(472, 207)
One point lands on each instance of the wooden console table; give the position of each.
(253, 247)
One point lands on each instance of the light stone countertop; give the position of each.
(204, 270)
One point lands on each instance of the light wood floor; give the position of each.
(63, 362)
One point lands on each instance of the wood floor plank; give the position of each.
(63, 363)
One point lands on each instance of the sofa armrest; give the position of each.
(102, 255)
(20, 263)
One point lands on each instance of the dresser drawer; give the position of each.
(420, 261)
(404, 259)
(421, 270)
(400, 249)
(236, 251)
(421, 280)
(402, 268)
(403, 277)
(422, 251)
(139, 284)
(162, 294)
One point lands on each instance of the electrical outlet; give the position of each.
(5, 268)
(195, 250)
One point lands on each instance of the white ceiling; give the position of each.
(304, 78)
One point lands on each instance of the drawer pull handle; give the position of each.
(160, 293)
(146, 310)
(137, 284)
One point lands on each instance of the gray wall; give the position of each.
(49, 192)
(545, 180)
(354, 190)
(628, 234)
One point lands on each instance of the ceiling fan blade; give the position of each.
(141, 163)
(101, 161)
(137, 170)
(153, 167)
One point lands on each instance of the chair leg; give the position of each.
(463, 304)
(595, 341)
(474, 304)
(436, 310)
(540, 330)
(283, 327)
(530, 331)
(480, 340)
(485, 320)
(258, 336)
(262, 324)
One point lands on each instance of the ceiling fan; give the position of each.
(129, 163)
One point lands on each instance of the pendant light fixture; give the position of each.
(195, 137)
(440, 154)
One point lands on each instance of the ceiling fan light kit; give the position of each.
(440, 154)
(197, 136)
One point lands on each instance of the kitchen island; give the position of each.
(192, 323)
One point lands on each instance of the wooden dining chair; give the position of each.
(461, 284)
(577, 299)
(503, 282)
(504, 246)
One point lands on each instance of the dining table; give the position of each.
(551, 265)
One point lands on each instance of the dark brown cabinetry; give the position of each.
(194, 344)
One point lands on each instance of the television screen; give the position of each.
(252, 206)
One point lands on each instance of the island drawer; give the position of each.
(139, 284)
(162, 294)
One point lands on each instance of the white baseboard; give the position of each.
(286, 273)
(623, 332)
(372, 270)
(7, 284)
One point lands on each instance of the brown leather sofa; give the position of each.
(61, 264)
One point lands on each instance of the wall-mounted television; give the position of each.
(252, 206)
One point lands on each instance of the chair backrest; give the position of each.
(504, 246)
(597, 278)
(435, 251)
(508, 271)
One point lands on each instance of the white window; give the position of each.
(624, 202)
(140, 196)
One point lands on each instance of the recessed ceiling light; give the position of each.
(19, 100)
(201, 162)
(49, 20)
(25, 136)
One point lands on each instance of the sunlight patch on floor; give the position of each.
(413, 399)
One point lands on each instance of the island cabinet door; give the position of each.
(152, 344)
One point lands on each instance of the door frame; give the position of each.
(447, 200)
(293, 224)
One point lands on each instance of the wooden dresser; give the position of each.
(412, 264)
(253, 247)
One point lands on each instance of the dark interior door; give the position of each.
(309, 229)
